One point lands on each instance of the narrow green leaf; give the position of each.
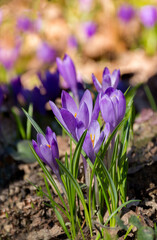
(61, 221)
(79, 192)
(28, 125)
(19, 123)
(34, 124)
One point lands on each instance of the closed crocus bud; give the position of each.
(148, 16)
(46, 148)
(126, 12)
(67, 70)
(109, 80)
(112, 107)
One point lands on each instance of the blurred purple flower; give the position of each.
(67, 70)
(46, 53)
(126, 12)
(148, 16)
(35, 97)
(47, 149)
(109, 80)
(112, 107)
(16, 87)
(50, 82)
(72, 42)
(89, 28)
(25, 24)
(8, 56)
(70, 115)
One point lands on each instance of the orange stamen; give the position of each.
(92, 139)
(49, 145)
(75, 115)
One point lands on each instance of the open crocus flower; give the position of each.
(47, 149)
(46, 53)
(68, 72)
(109, 80)
(70, 115)
(112, 107)
(93, 139)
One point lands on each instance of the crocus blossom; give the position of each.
(112, 107)
(148, 16)
(89, 28)
(93, 139)
(26, 24)
(70, 115)
(16, 86)
(109, 80)
(68, 72)
(46, 53)
(72, 42)
(126, 12)
(50, 82)
(46, 148)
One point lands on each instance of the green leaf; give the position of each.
(76, 156)
(23, 152)
(34, 124)
(28, 128)
(79, 192)
(21, 129)
(61, 221)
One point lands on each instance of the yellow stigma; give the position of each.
(92, 139)
(75, 115)
(49, 145)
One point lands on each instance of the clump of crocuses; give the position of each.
(96, 141)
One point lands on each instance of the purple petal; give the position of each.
(94, 129)
(88, 147)
(107, 130)
(96, 110)
(37, 150)
(115, 78)
(68, 103)
(57, 113)
(99, 142)
(50, 135)
(47, 155)
(96, 83)
(107, 110)
(87, 98)
(41, 140)
(105, 72)
(70, 121)
(106, 82)
(83, 115)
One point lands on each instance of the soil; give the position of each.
(24, 214)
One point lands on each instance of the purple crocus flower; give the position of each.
(93, 139)
(112, 107)
(109, 80)
(25, 24)
(126, 12)
(89, 28)
(47, 149)
(50, 82)
(68, 72)
(8, 56)
(148, 16)
(46, 53)
(70, 115)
